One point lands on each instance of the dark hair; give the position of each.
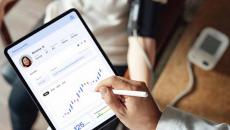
(25, 57)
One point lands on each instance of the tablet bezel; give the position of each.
(23, 80)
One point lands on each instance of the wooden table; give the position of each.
(211, 96)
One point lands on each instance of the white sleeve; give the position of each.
(174, 119)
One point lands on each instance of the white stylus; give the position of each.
(130, 93)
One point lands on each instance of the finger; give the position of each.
(115, 82)
(112, 101)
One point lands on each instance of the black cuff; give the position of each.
(148, 18)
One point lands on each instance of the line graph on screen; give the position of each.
(81, 90)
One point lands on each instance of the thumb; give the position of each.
(112, 101)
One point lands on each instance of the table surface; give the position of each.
(211, 95)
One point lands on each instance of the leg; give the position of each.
(8, 73)
(23, 111)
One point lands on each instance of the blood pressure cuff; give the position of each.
(148, 18)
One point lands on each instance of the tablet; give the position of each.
(60, 64)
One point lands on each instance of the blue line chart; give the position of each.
(80, 91)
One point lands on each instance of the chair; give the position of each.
(5, 7)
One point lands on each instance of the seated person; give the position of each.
(108, 21)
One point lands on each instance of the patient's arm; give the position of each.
(138, 68)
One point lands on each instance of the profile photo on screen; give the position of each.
(26, 61)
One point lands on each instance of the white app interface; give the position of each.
(62, 66)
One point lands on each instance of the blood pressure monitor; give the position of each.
(208, 48)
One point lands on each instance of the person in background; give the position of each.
(108, 21)
(148, 117)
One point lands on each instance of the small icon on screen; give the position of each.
(71, 17)
(46, 93)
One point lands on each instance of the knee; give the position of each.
(8, 73)
(14, 104)
(21, 104)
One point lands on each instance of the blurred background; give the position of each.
(181, 22)
(20, 20)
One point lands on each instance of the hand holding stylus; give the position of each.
(135, 111)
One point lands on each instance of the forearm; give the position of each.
(138, 68)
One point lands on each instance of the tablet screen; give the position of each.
(62, 64)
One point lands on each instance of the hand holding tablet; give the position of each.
(60, 64)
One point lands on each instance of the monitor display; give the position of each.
(210, 45)
(62, 65)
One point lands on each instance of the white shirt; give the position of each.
(107, 19)
(174, 119)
